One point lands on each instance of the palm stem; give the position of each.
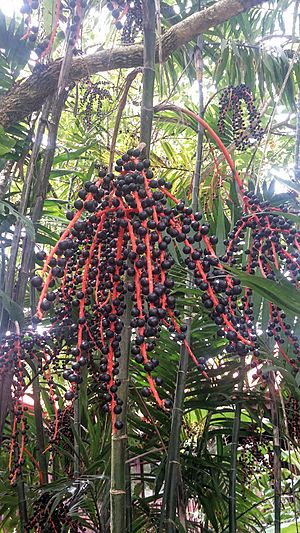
(77, 437)
(173, 470)
(39, 426)
(297, 142)
(6, 177)
(276, 452)
(198, 61)
(169, 503)
(149, 73)
(9, 285)
(118, 499)
(128, 494)
(120, 439)
(38, 412)
(234, 450)
(56, 110)
(122, 103)
(29, 243)
(9, 281)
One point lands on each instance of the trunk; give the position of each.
(9, 284)
(119, 440)
(297, 142)
(128, 495)
(172, 494)
(42, 187)
(39, 426)
(129, 80)
(169, 503)
(277, 453)
(149, 73)
(118, 497)
(198, 61)
(6, 177)
(28, 247)
(76, 443)
(22, 503)
(234, 450)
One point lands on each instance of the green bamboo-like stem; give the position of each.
(119, 440)
(38, 412)
(2, 268)
(28, 246)
(149, 73)
(43, 182)
(4, 388)
(274, 398)
(290, 467)
(169, 502)
(234, 449)
(76, 443)
(38, 420)
(6, 380)
(22, 503)
(173, 468)
(118, 497)
(37, 211)
(297, 142)
(9, 281)
(128, 494)
(172, 494)
(123, 99)
(7, 176)
(198, 61)
(181, 499)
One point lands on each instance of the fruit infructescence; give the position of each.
(232, 102)
(121, 238)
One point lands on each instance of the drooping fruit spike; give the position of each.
(232, 99)
(121, 242)
(130, 232)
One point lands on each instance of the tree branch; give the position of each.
(29, 95)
